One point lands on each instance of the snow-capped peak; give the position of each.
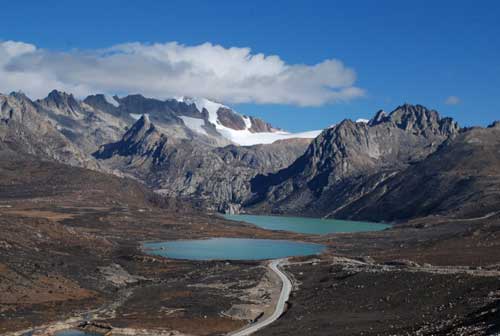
(243, 137)
(364, 121)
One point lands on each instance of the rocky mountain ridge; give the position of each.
(24, 128)
(188, 148)
(460, 180)
(215, 177)
(183, 150)
(348, 160)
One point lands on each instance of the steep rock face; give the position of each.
(230, 119)
(235, 121)
(181, 157)
(86, 126)
(461, 179)
(103, 103)
(24, 129)
(101, 119)
(141, 142)
(349, 159)
(495, 124)
(137, 104)
(216, 178)
(259, 125)
(62, 103)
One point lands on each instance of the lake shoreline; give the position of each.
(232, 249)
(306, 225)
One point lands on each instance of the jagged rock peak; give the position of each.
(417, 119)
(407, 112)
(379, 117)
(495, 124)
(101, 100)
(144, 120)
(19, 95)
(141, 140)
(59, 97)
(62, 103)
(139, 128)
(343, 128)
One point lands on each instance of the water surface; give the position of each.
(75, 332)
(307, 225)
(232, 249)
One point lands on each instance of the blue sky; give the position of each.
(418, 52)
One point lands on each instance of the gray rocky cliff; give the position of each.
(217, 178)
(349, 159)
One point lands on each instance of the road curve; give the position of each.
(286, 288)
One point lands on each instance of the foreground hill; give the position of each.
(24, 176)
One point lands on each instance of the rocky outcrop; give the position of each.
(163, 148)
(350, 159)
(216, 178)
(230, 119)
(259, 125)
(495, 124)
(62, 103)
(101, 103)
(461, 179)
(142, 140)
(23, 128)
(86, 126)
(97, 328)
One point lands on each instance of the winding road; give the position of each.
(280, 306)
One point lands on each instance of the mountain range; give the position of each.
(408, 163)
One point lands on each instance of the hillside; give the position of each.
(460, 180)
(349, 160)
(217, 178)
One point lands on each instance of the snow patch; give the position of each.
(248, 122)
(203, 103)
(240, 137)
(361, 120)
(247, 138)
(136, 116)
(194, 124)
(111, 100)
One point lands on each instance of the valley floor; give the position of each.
(68, 260)
(63, 258)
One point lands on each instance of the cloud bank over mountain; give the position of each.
(161, 70)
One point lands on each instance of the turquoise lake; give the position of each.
(307, 225)
(232, 249)
(74, 332)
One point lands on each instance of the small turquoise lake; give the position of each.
(307, 225)
(232, 249)
(75, 332)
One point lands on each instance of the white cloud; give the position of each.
(231, 75)
(452, 100)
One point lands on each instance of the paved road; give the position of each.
(491, 214)
(280, 306)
